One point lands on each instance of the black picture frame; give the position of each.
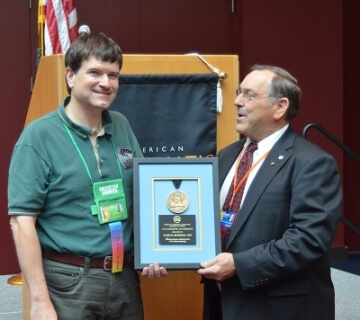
(176, 211)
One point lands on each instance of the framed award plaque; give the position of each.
(176, 211)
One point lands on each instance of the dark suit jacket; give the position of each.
(281, 238)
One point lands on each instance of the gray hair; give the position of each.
(283, 85)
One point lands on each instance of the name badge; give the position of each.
(227, 218)
(110, 202)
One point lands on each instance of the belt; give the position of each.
(101, 263)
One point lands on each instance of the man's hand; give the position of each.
(220, 268)
(154, 271)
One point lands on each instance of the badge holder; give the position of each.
(110, 202)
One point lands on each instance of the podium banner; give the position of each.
(172, 115)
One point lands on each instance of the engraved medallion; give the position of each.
(177, 202)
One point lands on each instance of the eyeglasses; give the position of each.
(249, 95)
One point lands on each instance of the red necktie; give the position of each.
(233, 200)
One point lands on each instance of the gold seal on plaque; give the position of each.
(177, 202)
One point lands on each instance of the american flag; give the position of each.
(57, 25)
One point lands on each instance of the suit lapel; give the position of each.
(275, 160)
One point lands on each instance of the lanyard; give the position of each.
(237, 184)
(116, 231)
(83, 159)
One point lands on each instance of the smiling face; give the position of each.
(258, 116)
(94, 86)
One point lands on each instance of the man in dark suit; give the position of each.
(275, 260)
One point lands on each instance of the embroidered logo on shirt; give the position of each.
(126, 157)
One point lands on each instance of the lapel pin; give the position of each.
(272, 163)
(281, 157)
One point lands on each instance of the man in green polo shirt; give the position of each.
(70, 196)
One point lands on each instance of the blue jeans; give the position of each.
(91, 293)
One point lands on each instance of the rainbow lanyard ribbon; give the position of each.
(117, 246)
(116, 230)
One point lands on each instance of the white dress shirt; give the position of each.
(264, 146)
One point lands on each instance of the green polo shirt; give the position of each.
(47, 178)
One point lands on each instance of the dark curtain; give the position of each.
(171, 115)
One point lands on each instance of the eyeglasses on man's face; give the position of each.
(249, 95)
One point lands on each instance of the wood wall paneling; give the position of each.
(351, 118)
(306, 38)
(15, 94)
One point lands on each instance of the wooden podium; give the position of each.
(180, 295)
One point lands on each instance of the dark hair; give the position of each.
(98, 45)
(283, 85)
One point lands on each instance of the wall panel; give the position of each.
(15, 66)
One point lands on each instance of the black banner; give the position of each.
(171, 115)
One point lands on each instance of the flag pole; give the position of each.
(41, 24)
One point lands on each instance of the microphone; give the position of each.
(84, 29)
